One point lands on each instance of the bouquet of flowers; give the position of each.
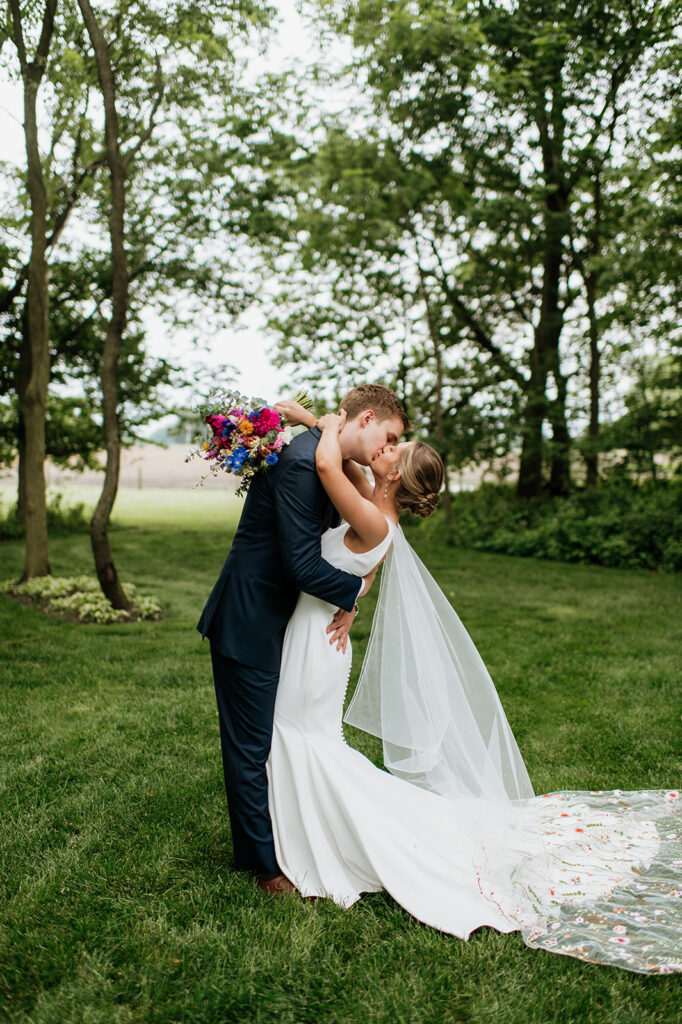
(247, 435)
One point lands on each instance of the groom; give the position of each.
(276, 554)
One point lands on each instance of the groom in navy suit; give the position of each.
(275, 555)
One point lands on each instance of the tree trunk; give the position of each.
(439, 423)
(560, 473)
(21, 475)
(35, 338)
(545, 357)
(592, 454)
(591, 278)
(99, 524)
(529, 483)
(440, 428)
(23, 374)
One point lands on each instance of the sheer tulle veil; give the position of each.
(592, 874)
(425, 691)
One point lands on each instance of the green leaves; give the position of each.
(183, 118)
(445, 219)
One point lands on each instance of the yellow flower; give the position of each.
(206, 446)
(246, 427)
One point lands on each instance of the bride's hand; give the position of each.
(295, 414)
(339, 628)
(330, 421)
(368, 580)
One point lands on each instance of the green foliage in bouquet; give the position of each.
(247, 435)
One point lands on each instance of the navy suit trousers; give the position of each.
(246, 707)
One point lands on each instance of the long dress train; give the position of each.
(594, 875)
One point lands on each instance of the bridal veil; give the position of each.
(425, 691)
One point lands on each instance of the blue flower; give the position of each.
(271, 459)
(254, 416)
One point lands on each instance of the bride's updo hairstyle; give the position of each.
(421, 478)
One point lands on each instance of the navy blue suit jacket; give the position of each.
(276, 554)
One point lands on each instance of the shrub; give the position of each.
(60, 519)
(81, 597)
(617, 525)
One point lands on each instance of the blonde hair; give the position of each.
(421, 478)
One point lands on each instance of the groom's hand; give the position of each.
(339, 628)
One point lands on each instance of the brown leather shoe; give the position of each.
(278, 886)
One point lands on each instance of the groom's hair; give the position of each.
(376, 397)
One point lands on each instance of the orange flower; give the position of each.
(245, 427)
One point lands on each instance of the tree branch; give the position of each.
(72, 198)
(45, 32)
(160, 85)
(18, 33)
(62, 217)
(477, 331)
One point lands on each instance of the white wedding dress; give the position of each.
(597, 876)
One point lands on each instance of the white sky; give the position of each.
(247, 347)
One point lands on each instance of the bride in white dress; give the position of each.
(452, 831)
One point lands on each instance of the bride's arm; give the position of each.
(365, 518)
(295, 414)
(358, 478)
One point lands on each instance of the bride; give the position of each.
(453, 830)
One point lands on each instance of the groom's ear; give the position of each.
(366, 417)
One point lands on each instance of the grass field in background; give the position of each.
(196, 507)
(118, 903)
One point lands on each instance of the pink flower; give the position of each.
(216, 422)
(268, 419)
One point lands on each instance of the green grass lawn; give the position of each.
(118, 903)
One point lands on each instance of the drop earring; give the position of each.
(386, 490)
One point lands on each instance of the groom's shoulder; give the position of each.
(301, 449)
